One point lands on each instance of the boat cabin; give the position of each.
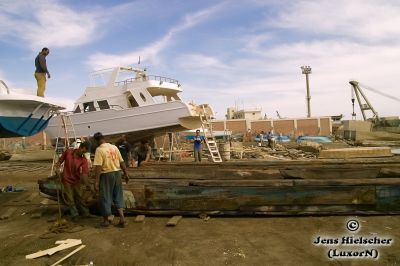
(126, 87)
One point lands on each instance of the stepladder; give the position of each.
(210, 140)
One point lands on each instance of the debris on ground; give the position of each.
(174, 220)
(62, 244)
(204, 217)
(5, 156)
(140, 219)
(280, 152)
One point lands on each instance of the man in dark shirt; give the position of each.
(142, 152)
(125, 149)
(41, 71)
(75, 173)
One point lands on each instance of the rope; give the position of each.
(380, 93)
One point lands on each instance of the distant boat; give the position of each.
(133, 103)
(317, 139)
(23, 115)
(277, 138)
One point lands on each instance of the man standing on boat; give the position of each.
(108, 163)
(197, 146)
(41, 71)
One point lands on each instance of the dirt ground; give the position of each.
(218, 241)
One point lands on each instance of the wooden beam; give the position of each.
(139, 219)
(69, 255)
(174, 221)
(63, 245)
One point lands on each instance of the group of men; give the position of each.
(269, 138)
(108, 164)
(138, 155)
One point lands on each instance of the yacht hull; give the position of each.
(136, 123)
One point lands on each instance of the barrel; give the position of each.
(225, 151)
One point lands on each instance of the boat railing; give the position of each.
(3, 84)
(146, 78)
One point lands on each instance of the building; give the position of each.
(249, 114)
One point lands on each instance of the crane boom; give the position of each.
(363, 106)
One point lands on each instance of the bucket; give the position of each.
(225, 151)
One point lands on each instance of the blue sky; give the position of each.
(223, 53)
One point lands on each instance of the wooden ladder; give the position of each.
(65, 127)
(210, 139)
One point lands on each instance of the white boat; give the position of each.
(133, 103)
(23, 115)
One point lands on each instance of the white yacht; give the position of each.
(133, 103)
(23, 115)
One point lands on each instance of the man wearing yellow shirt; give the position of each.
(108, 163)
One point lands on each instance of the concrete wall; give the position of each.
(236, 126)
(13, 144)
(293, 127)
(356, 125)
(308, 127)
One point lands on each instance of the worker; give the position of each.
(270, 140)
(262, 135)
(142, 153)
(75, 173)
(125, 149)
(108, 163)
(197, 148)
(41, 71)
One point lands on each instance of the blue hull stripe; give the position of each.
(21, 126)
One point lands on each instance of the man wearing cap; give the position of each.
(108, 163)
(75, 173)
(197, 146)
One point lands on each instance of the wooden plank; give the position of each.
(7, 214)
(351, 210)
(233, 198)
(242, 183)
(69, 255)
(329, 173)
(311, 209)
(53, 250)
(174, 220)
(363, 152)
(346, 182)
(139, 219)
(388, 198)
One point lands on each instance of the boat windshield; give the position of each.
(146, 78)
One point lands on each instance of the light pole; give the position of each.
(307, 70)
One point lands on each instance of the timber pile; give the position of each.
(366, 186)
(279, 153)
(268, 188)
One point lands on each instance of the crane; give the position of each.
(356, 90)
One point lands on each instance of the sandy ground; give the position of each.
(218, 241)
